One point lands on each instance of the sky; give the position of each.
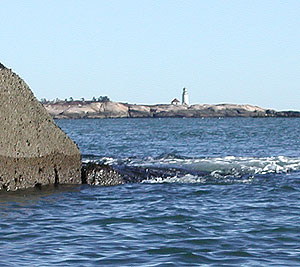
(146, 51)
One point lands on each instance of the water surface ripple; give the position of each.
(221, 207)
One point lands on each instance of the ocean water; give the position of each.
(210, 192)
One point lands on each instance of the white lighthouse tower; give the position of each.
(185, 97)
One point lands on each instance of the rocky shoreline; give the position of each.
(36, 152)
(92, 110)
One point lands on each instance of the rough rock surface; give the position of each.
(81, 110)
(33, 150)
(100, 174)
(89, 109)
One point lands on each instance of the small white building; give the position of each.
(175, 102)
(185, 97)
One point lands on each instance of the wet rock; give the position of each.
(100, 174)
(34, 151)
(288, 114)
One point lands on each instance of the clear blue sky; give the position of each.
(143, 51)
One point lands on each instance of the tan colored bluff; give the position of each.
(33, 149)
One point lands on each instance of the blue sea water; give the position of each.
(213, 192)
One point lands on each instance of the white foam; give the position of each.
(189, 179)
(104, 160)
(223, 169)
(229, 165)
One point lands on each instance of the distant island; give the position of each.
(104, 108)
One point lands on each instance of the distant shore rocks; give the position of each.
(89, 109)
(33, 150)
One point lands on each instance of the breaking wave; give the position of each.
(172, 168)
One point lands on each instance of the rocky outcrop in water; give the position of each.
(33, 150)
(89, 109)
(100, 174)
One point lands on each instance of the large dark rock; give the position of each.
(289, 114)
(33, 150)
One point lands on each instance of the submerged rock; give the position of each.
(33, 149)
(100, 174)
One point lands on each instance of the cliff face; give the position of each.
(77, 109)
(33, 150)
